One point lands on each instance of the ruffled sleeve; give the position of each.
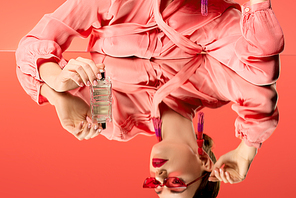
(53, 35)
(258, 50)
(258, 114)
(249, 44)
(31, 86)
(261, 42)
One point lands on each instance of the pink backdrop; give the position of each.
(40, 159)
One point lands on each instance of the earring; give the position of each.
(157, 128)
(200, 140)
(204, 7)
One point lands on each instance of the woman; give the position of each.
(156, 30)
(133, 96)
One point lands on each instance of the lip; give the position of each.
(157, 162)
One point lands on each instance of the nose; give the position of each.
(161, 175)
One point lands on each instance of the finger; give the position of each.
(98, 127)
(213, 179)
(217, 175)
(101, 66)
(81, 71)
(98, 130)
(92, 131)
(222, 175)
(229, 178)
(79, 68)
(217, 166)
(91, 69)
(76, 78)
(84, 132)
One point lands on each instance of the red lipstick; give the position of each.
(156, 162)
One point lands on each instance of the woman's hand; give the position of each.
(234, 165)
(77, 73)
(73, 112)
(75, 116)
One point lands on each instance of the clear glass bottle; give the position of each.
(101, 101)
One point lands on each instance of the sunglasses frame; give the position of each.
(165, 182)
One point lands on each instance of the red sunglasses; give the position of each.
(170, 182)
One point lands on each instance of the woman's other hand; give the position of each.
(233, 166)
(73, 113)
(77, 73)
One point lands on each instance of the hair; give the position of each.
(208, 189)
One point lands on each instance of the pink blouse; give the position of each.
(248, 44)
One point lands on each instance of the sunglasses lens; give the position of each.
(174, 182)
(151, 182)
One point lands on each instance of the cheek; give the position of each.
(195, 166)
(188, 165)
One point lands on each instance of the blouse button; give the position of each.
(247, 9)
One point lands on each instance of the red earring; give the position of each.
(204, 7)
(157, 128)
(200, 140)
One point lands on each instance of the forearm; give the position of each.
(51, 95)
(49, 71)
(257, 1)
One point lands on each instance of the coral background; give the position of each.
(39, 159)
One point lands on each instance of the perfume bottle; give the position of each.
(101, 101)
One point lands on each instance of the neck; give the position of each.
(176, 128)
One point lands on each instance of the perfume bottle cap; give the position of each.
(103, 75)
(104, 125)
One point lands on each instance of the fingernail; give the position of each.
(100, 130)
(89, 125)
(88, 83)
(96, 127)
(99, 76)
(95, 83)
(81, 84)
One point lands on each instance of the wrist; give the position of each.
(247, 152)
(51, 95)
